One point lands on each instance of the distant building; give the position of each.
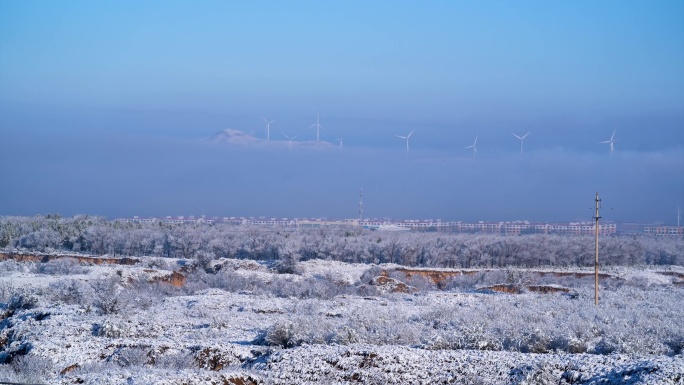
(481, 227)
(664, 231)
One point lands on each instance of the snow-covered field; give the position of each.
(240, 322)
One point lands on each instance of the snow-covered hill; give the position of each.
(242, 322)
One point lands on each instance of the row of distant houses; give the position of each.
(502, 228)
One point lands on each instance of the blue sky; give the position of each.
(87, 74)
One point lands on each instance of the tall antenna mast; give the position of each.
(598, 205)
(679, 215)
(360, 206)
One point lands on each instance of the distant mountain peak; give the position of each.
(232, 136)
(241, 138)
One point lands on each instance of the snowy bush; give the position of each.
(281, 334)
(130, 356)
(7, 290)
(27, 369)
(541, 373)
(176, 361)
(109, 329)
(11, 266)
(22, 301)
(60, 266)
(71, 292)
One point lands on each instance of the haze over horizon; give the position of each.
(105, 109)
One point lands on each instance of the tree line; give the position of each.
(94, 235)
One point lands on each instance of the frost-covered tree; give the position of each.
(95, 235)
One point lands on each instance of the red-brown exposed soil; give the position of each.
(547, 289)
(69, 369)
(392, 285)
(509, 289)
(79, 258)
(672, 274)
(176, 279)
(513, 289)
(215, 359)
(240, 381)
(573, 274)
(436, 276)
(439, 277)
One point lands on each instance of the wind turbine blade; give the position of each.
(525, 136)
(517, 136)
(409, 135)
(612, 136)
(403, 137)
(265, 120)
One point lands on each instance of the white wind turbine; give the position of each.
(521, 140)
(474, 146)
(268, 128)
(407, 140)
(611, 142)
(290, 139)
(318, 127)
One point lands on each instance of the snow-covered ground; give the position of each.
(241, 324)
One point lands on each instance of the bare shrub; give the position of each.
(288, 264)
(11, 266)
(106, 296)
(60, 266)
(109, 329)
(176, 361)
(130, 356)
(542, 373)
(33, 368)
(371, 273)
(22, 301)
(419, 282)
(71, 292)
(7, 290)
(466, 281)
(140, 294)
(281, 334)
(157, 263)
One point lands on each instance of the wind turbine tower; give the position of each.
(290, 139)
(611, 142)
(522, 139)
(474, 146)
(340, 140)
(318, 127)
(268, 128)
(406, 138)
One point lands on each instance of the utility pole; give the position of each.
(360, 206)
(596, 217)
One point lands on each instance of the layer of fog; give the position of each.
(115, 174)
